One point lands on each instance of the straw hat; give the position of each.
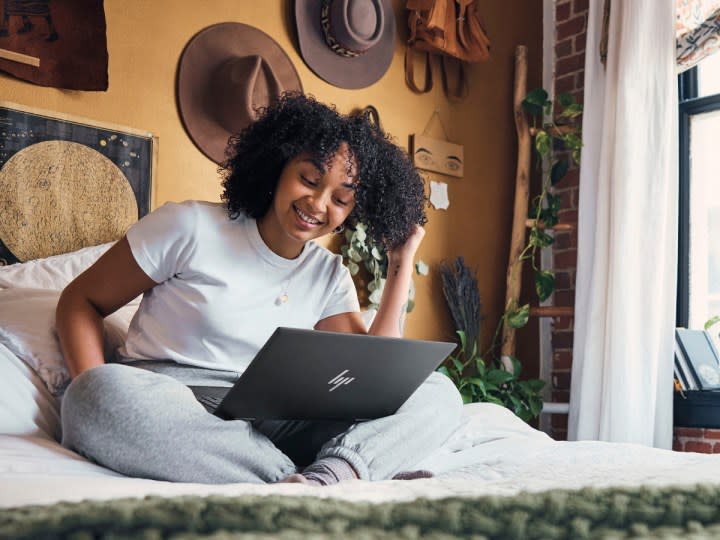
(348, 43)
(227, 71)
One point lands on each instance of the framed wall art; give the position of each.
(67, 183)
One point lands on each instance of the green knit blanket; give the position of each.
(679, 512)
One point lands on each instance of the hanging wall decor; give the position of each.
(55, 43)
(68, 183)
(437, 155)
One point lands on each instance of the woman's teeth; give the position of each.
(305, 217)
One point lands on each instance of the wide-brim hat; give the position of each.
(226, 72)
(348, 43)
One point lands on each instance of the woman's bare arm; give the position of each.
(106, 286)
(390, 318)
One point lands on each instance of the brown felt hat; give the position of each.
(348, 43)
(227, 71)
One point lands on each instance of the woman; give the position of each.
(218, 279)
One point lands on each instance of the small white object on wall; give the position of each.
(439, 195)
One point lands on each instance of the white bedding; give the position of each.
(493, 453)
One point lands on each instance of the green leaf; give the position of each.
(466, 397)
(480, 366)
(572, 111)
(540, 238)
(493, 399)
(543, 142)
(565, 99)
(535, 101)
(376, 253)
(463, 340)
(535, 407)
(535, 384)
(354, 268)
(375, 297)
(544, 284)
(354, 255)
(459, 366)
(517, 366)
(559, 170)
(444, 371)
(711, 322)
(360, 234)
(538, 96)
(421, 268)
(498, 376)
(519, 317)
(477, 382)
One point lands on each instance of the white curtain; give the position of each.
(627, 232)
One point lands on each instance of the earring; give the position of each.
(339, 229)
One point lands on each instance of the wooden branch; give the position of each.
(522, 192)
(558, 227)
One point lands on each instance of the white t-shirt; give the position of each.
(216, 304)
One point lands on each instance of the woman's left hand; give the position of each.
(407, 250)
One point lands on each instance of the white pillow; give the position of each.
(51, 272)
(26, 405)
(27, 329)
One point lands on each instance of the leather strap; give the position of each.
(460, 91)
(410, 72)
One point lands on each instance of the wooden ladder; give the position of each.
(521, 223)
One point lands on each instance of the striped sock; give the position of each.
(328, 470)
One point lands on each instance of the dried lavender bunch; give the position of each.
(462, 295)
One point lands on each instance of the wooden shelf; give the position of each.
(556, 131)
(552, 311)
(558, 227)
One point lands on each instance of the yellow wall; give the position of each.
(145, 39)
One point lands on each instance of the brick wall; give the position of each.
(706, 441)
(570, 38)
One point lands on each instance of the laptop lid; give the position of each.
(310, 374)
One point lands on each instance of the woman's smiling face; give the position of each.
(309, 202)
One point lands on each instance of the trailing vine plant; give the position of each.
(557, 143)
(360, 252)
(484, 377)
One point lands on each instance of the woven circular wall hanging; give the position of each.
(60, 196)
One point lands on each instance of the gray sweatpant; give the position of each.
(147, 423)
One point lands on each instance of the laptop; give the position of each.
(315, 375)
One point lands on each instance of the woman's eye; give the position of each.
(308, 181)
(341, 203)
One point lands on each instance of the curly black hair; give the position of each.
(389, 193)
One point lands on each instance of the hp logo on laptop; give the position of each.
(339, 380)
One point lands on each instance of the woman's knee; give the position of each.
(91, 399)
(445, 391)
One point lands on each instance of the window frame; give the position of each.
(689, 105)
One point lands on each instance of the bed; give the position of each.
(495, 477)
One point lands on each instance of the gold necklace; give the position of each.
(283, 297)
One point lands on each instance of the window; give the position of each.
(699, 256)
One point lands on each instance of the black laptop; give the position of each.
(315, 375)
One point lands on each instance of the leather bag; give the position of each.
(450, 29)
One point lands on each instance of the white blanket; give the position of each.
(493, 453)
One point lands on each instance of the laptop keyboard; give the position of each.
(210, 402)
